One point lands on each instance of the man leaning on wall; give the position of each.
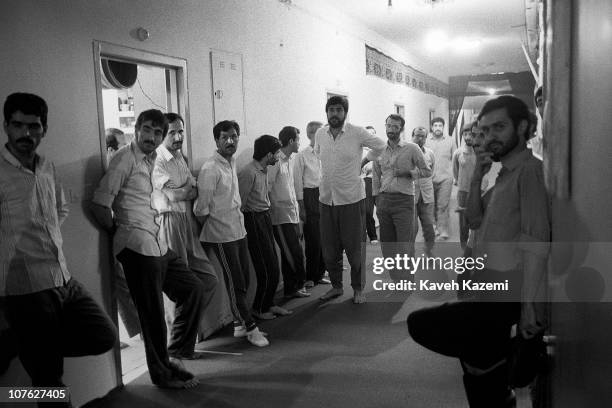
(41, 297)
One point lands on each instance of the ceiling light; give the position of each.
(491, 91)
(465, 45)
(436, 41)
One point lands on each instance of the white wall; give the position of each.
(292, 56)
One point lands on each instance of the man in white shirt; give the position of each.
(218, 209)
(341, 193)
(173, 189)
(284, 214)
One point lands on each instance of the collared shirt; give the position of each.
(219, 200)
(253, 185)
(488, 180)
(517, 218)
(443, 148)
(306, 171)
(464, 162)
(341, 162)
(400, 157)
(32, 208)
(283, 200)
(424, 185)
(170, 172)
(127, 189)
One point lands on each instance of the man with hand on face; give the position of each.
(424, 193)
(342, 195)
(464, 160)
(123, 200)
(253, 184)
(513, 238)
(173, 189)
(50, 314)
(218, 209)
(284, 214)
(394, 174)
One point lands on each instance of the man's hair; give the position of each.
(395, 116)
(313, 126)
(224, 126)
(111, 137)
(28, 104)
(421, 128)
(537, 94)
(371, 127)
(287, 134)
(437, 120)
(173, 117)
(156, 117)
(337, 100)
(517, 109)
(265, 144)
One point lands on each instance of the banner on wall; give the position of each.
(385, 67)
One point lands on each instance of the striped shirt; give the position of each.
(127, 189)
(32, 208)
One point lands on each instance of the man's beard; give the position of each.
(504, 149)
(338, 123)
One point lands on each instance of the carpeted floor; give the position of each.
(333, 354)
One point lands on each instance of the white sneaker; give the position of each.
(256, 338)
(240, 331)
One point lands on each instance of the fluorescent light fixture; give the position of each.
(438, 41)
(491, 91)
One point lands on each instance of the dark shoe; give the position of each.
(324, 281)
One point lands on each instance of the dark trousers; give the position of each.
(263, 254)
(234, 259)
(425, 213)
(369, 208)
(477, 332)
(395, 213)
(464, 229)
(125, 304)
(292, 257)
(57, 323)
(315, 265)
(342, 229)
(147, 277)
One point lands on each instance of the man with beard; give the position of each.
(464, 160)
(515, 236)
(50, 314)
(394, 173)
(218, 209)
(173, 189)
(253, 185)
(424, 193)
(443, 148)
(123, 203)
(342, 195)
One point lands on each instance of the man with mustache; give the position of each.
(514, 235)
(464, 160)
(173, 190)
(218, 209)
(394, 173)
(443, 148)
(123, 201)
(50, 314)
(342, 195)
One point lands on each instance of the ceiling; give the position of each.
(498, 24)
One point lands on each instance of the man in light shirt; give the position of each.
(394, 173)
(443, 148)
(464, 160)
(284, 213)
(341, 193)
(173, 189)
(218, 209)
(123, 201)
(50, 314)
(253, 185)
(307, 177)
(424, 193)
